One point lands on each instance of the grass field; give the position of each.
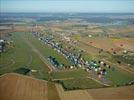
(46, 50)
(21, 55)
(128, 59)
(119, 76)
(80, 83)
(69, 74)
(75, 79)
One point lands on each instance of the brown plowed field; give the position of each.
(120, 93)
(73, 95)
(18, 87)
(108, 44)
(127, 43)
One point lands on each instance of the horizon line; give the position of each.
(67, 12)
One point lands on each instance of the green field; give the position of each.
(46, 50)
(21, 55)
(119, 76)
(80, 83)
(128, 59)
(69, 74)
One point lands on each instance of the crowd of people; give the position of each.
(100, 67)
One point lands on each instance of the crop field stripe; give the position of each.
(19, 87)
(118, 93)
(120, 66)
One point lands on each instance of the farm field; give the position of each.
(109, 44)
(119, 76)
(20, 87)
(120, 93)
(73, 95)
(55, 56)
(69, 74)
(17, 87)
(31, 60)
(35, 58)
(16, 58)
(38, 89)
(97, 94)
(80, 83)
(93, 45)
(124, 30)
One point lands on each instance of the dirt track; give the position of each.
(17, 87)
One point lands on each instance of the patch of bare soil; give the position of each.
(120, 93)
(18, 87)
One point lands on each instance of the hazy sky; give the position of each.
(67, 6)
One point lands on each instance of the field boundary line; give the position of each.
(23, 76)
(98, 81)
